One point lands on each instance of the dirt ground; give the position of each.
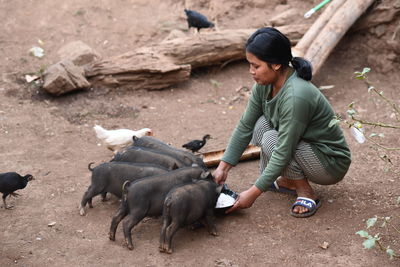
(52, 138)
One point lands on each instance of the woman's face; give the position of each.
(260, 71)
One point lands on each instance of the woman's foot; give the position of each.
(303, 189)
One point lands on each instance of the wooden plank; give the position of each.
(213, 158)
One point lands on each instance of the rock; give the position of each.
(379, 30)
(64, 77)
(79, 53)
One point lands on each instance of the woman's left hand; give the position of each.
(245, 199)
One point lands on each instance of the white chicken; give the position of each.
(116, 140)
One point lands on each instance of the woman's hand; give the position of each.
(246, 199)
(221, 173)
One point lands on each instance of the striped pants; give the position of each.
(304, 164)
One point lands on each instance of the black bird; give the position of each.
(197, 20)
(195, 145)
(10, 182)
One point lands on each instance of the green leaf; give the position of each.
(381, 135)
(359, 75)
(363, 233)
(351, 112)
(362, 75)
(373, 135)
(333, 122)
(358, 125)
(80, 12)
(366, 70)
(398, 200)
(351, 105)
(371, 222)
(369, 243)
(390, 252)
(37, 51)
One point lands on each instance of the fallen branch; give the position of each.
(170, 62)
(334, 30)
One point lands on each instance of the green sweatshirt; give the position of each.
(298, 112)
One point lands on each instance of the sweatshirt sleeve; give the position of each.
(294, 116)
(244, 129)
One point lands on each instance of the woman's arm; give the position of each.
(246, 199)
(243, 132)
(221, 173)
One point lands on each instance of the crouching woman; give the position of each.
(288, 117)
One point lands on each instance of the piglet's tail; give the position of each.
(303, 68)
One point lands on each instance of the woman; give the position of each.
(288, 117)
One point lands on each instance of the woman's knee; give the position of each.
(325, 179)
(268, 142)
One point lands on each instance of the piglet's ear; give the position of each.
(204, 175)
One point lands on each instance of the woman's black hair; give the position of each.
(270, 45)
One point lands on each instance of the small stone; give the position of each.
(324, 245)
(51, 224)
(330, 200)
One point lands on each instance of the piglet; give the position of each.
(148, 155)
(110, 176)
(184, 156)
(145, 197)
(187, 204)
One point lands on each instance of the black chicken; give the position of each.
(195, 145)
(10, 182)
(197, 20)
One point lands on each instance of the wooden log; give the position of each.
(139, 71)
(301, 48)
(334, 30)
(169, 62)
(212, 158)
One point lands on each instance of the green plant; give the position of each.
(377, 240)
(359, 126)
(387, 233)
